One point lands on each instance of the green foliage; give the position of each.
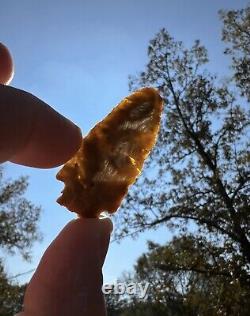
(11, 295)
(115, 304)
(197, 180)
(145, 309)
(189, 271)
(186, 277)
(120, 305)
(18, 217)
(236, 33)
(18, 230)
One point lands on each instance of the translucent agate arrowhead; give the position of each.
(111, 155)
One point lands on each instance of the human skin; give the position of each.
(32, 133)
(68, 279)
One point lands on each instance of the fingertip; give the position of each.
(66, 140)
(107, 224)
(6, 65)
(103, 225)
(32, 133)
(53, 141)
(93, 232)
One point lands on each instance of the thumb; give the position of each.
(68, 280)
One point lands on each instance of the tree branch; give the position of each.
(166, 268)
(240, 186)
(242, 239)
(197, 219)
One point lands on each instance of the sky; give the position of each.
(77, 56)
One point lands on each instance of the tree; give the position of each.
(196, 291)
(18, 217)
(236, 33)
(197, 179)
(11, 295)
(132, 305)
(175, 290)
(115, 303)
(18, 230)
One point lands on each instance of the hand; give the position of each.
(31, 132)
(68, 279)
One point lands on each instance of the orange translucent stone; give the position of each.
(112, 155)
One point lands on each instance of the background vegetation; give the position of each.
(199, 188)
(200, 185)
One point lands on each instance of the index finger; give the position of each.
(32, 133)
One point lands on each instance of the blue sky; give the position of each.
(76, 56)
